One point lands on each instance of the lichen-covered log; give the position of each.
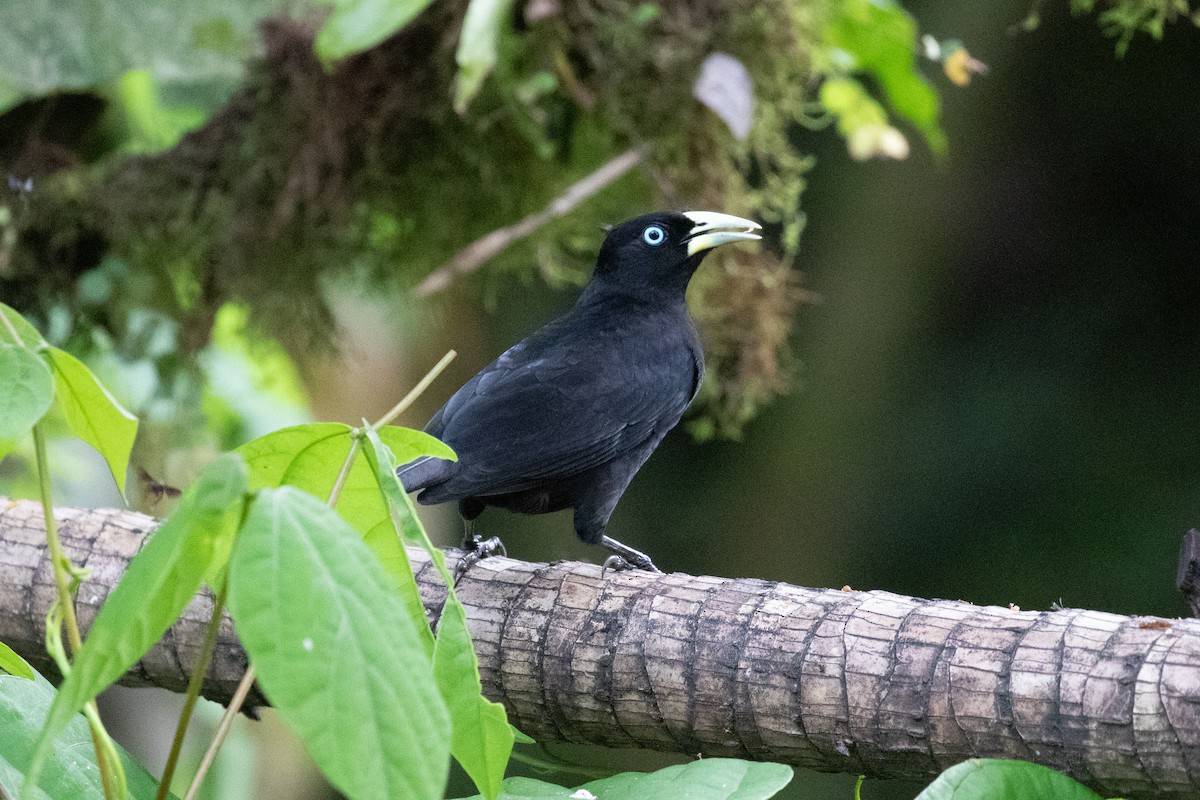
(868, 682)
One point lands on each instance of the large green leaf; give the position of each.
(879, 37)
(478, 46)
(26, 391)
(48, 46)
(310, 456)
(70, 772)
(334, 650)
(998, 779)
(158, 584)
(93, 414)
(481, 738)
(707, 779)
(293, 456)
(358, 25)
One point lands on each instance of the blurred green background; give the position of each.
(998, 383)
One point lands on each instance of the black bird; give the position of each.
(565, 417)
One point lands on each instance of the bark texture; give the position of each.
(870, 682)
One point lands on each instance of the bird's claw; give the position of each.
(625, 557)
(644, 563)
(622, 564)
(616, 564)
(476, 548)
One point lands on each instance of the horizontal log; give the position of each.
(862, 682)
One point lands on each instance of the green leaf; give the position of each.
(13, 664)
(294, 456)
(26, 391)
(478, 45)
(93, 414)
(310, 456)
(999, 779)
(358, 25)
(335, 651)
(391, 447)
(386, 542)
(160, 581)
(709, 778)
(28, 334)
(70, 771)
(48, 46)
(879, 37)
(407, 444)
(482, 739)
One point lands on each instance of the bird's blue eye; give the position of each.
(654, 235)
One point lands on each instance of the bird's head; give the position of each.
(661, 251)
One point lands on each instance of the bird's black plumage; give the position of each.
(567, 416)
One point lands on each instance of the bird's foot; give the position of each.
(475, 549)
(626, 558)
(616, 564)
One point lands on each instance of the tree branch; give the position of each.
(476, 254)
(870, 682)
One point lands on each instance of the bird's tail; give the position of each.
(424, 472)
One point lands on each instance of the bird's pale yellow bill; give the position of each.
(713, 228)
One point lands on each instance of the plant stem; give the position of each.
(421, 386)
(62, 579)
(112, 775)
(195, 683)
(62, 576)
(235, 705)
(344, 472)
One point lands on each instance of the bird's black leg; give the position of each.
(475, 547)
(626, 557)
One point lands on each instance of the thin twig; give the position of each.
(473, 256)
(195, 684)
(239, 697)
(421, 386)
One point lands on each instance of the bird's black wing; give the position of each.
(565, 400)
